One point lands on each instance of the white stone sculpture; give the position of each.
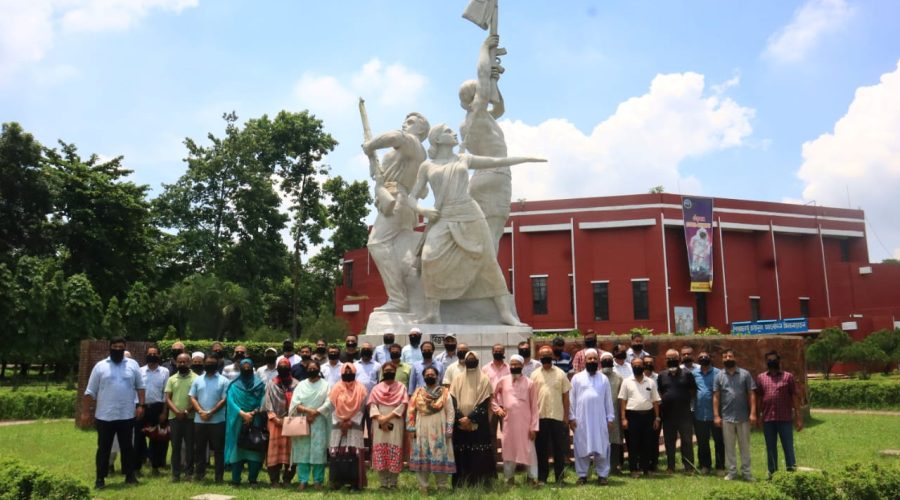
(458, 258)
(392, 241)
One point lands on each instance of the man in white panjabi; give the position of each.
(458, 260)
(591, 415)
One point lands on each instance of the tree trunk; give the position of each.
(23, 371)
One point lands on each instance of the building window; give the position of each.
(702, 322)
(601, 301)
(641, 299)
(754, 308)
(845, 250)
(804, 307)
(348, 275)
(539, 295)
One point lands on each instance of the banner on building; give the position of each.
(698, 235)
(770, 326)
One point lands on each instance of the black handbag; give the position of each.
(344, 465)
(253, 438)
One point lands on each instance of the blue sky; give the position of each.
(772, 100)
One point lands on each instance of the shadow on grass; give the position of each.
(812, 421)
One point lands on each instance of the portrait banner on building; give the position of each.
(698, 235)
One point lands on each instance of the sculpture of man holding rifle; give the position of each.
(394, 179)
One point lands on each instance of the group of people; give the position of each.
(443, 414)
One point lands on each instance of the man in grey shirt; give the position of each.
(734, 410)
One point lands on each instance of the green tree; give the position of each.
(82, 317)
(103, 220)
(207, 307)
(138, 311)
(865, 354)
(25, 196)
(826, 350)
(889, 343)
(113, 324)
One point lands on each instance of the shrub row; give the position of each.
(870, 394)
(22, 482)
(256, 350)
(854, 482)
(33, 405)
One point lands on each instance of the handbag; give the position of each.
(253, 438)
(295, 426)
(157, 433)
(344, 466)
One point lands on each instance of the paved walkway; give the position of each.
(4, 423)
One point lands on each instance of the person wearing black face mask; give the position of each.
(416, 378)
(412, 353)
(780, 404)
(561, 359)
(383, 352)
(245, 399)
(387, 403)
(473, 444)
(590, 342)
(496, 370)
(677, 389)
(232, 371)
(639, 412)
(115, 383)
(448, 355)
(321, 354)
(457, 366)
(310, 398)
(616, 452)
(155, 378)
(734, 410)
(620, 363)
(351, 351)
(218, 352)
(404, 370)
(704, 378)
(637, 348)
(553, 423)
(181, 423)
(592, 413)
(176, 349)
(530, 365)
(268, 371)
(208, 400)
(331, 370)
(367, 374)
(276, 404)
(515, 402)
(287, 349)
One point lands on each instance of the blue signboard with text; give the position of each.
(770, 326)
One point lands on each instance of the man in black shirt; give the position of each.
(677, 388)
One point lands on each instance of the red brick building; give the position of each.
(618, 262)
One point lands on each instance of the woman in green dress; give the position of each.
(310, 452)
(244, 401)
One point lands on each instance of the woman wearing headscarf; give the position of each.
(279, 392)
(473, 445)
(243, 402)
(310, 452)
(387, 407)
(430, 423)
(348, 398)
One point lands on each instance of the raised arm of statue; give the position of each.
(393, 139)
(483, 162)
(485, 72)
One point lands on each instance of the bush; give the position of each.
(854, 482)
(20, 481)
(33, 405)
(867, 394)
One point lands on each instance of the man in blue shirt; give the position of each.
(705, 377)
(113, 387)
(416, 379)
(561, 359)
(208, 399)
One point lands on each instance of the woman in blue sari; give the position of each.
(244, 401)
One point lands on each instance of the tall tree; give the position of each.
(295, 144)
(103, 220)
(25, 196)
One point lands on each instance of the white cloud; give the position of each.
(638, 147)
(861, 155)
(29, 28)
(811, 22)
(391, 86)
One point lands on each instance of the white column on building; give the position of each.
(724, 281)
(775, 257)
(662, 225)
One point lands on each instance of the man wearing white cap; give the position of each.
(516, 402)
(411, 353)
(591, 416)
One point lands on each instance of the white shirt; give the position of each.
(331, 374)
(445, 358)
(639, 396)
(154, 383)
(367, 374)
(410, 354)
(530, 366)
(382, 354)
(294, 359)
(624, 370)
(265, 374)
(452, 371)
(629, 355)
(231, 372)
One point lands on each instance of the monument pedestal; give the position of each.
(480, 338)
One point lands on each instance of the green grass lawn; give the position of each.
(829, 442)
